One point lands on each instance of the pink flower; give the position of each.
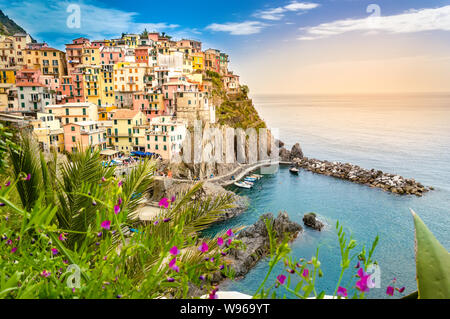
(363, 283)
(119, 202)
(173, 266)
(342, 291)
(106, 224)
(164, 202)
(103, 179)
(28, 177)
(213, 294)
(173, 199)
(400, 290)
(281, 279)
(9, 242)
(13, 250)
(229, 241)
(230, 233)
(45, 273)
(203, 247)
(220, 241)
(8, 183)
(305, 273)
(120, 184)
(54, 251)
(174, 251)
(390, 291)
(116, 209)
(62, 237)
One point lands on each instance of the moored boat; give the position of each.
(243, 185)
(293, 170)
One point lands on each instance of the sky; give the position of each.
(277, 47)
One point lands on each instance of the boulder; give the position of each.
(296, 151)
(285, 155)
(310, 220)
(256, 241)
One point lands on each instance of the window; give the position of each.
(73, 138)
(73, 128)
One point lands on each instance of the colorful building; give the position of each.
(165, 136)
(82, 135)
(127, 130)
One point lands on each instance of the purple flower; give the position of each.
(220, 241)
(170, 279)
(9, 242)
(62, 237)
(390, 291)
(400, 290)
(363, 283)
(342, 291)
(281, 279)
(203, 247)
(8, 183)
(173, 199)
(213, 294)
(116, 209)
(106, 224)
(202, 278)
(230, 233)
(156, 223)
(119, 202)
(223, 253)
(45, 273)
(358, 265)
(94, 203)
(13, 250)
(2, 204)
(166, 220)
(173, 266)
(164, 202)
(291, 271)
(28, 177)
(120, 184)
(54, 251)
(99, 234)
(221, 267)
(305, 273)
(174, 251)
(119, 296)
(103, 179)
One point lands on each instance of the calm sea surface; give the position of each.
(403, 134)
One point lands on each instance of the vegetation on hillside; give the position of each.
(234, 110)
(8, 26)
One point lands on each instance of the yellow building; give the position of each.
(49, 60)
(198, 61)
(129, 77)
(105, 113)
(12, 49)
(98, 84)
(91, 56)
(8, 75)
(48, 132)
(128, 130)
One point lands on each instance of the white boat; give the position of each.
(249, 183)
(257, 175)
(294, 170)
(243, 185)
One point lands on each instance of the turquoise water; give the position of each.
(407, 135)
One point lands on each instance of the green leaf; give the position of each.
(432, 264)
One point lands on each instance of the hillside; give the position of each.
(234, 110)
(8, 26)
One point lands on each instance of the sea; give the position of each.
(405, 134)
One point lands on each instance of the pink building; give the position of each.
(176, 84)
(112, 55)
(81, 135)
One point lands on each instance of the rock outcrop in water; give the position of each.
(288, 156)
(256, 240)
(374, 178)
(310, 220)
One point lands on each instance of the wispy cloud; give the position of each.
(278, 13)
(428, 19)
(97, 22)
(238, 28)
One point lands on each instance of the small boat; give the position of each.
(242, 185)
(250, 179)
(249, 183)
(294, 170)
(257, 175)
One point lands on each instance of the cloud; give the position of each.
(428, 19)
(238, 28)
(96, 22)
(278, 13)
